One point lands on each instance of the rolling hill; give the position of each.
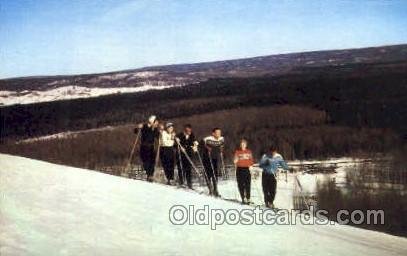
(49, 88)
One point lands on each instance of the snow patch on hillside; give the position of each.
(146, 74)
(48, 209)
(71, 92)
(64, 135)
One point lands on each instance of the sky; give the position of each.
(51, 37)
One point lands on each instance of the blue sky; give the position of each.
(50, 37)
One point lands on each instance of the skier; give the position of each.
(212, 155)
(270, 162)
(148, 135)
(243, 159)
(187, 140)
(167, 153)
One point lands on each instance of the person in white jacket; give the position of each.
(167, 151)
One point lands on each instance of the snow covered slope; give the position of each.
(47, 209)
(69, 92)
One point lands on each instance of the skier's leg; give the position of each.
(215, 187)
(171, 164)
(266, 188)
(215, 175)
(248, 184)
(244, 181)
(149, 171)
(215, 164)
(165, 155)
(188, 174)
(209, 173)
(273, 188)
(162, 159)
(217, 168)
(151, 161)
(143, 157)
(240, 184)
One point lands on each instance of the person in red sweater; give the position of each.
(243, 159)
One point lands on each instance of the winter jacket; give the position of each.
(270, 164)
(167, 139)
(214, 147)
(244, 158)
(148, 135)
(187, 141)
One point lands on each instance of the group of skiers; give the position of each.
(179, 150)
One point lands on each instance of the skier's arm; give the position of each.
(157, 132)
(195, 146)
(251, 159)
(193, 139)
(138, 128)
(283, 164)
(264, 161)
(206, 144)
(235, 158)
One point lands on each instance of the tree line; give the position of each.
(298, 132)
(369, 96)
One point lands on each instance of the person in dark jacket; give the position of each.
(212, 156)
(149, 133)
(187, 140)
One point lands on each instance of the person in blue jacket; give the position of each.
(270, 163)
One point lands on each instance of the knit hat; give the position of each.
(152, 119)
(168, 125)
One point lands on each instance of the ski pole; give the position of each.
(224, 173)
(237, 191)
(200, 174)
(128, 166)
(213, 168)
(204, 172)
(182, 149)
(182, 174)
(259, 194)
(214, 176)
(196, 169)
(301, 192)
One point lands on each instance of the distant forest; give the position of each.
(298, 132)
(311, 113)
(362, 96)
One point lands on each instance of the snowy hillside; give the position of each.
(25, 90)
(69, 92)
(47, 209)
